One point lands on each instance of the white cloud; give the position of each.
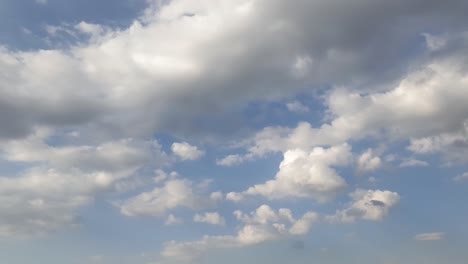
(434, 42)
(114, 156)
(461, 177)
(118, 68)
(88, 28)
(367, 205)
(173, 220)
(231, 160)
(306, 174)
(413, 163)
(60, 179)
(173, 194)
(45, 200)
(216, 196)
(430, 236)
(297, 107)
(406, 111)
(264, 224)
(185, 151)
(212, 218)
(453, 145)
(233, 196)
(368, 162)
(167, 73)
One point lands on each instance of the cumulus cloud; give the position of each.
(430, 236)
(368, 162)
(41, 201)
(212, 218)
(263, 224)
(404, 112)
(167, 73)
(452, 145)
(305, 174)
(367, 205)
(174, 193)
(113, 156)
(109, 82)
(60, 179)
(173, 220)
(297, 107)
(185, 151)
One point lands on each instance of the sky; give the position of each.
(233, 131)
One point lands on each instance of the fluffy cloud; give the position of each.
(306, 175)
(173, 194)
(367, 205)
(45, 200)
(185, 151)
(212, 218)
(264, 224)
(114, 156)
(297, 107)
(60, 179)
(404, 112)
(127, 81)
(171, 71)
(367, 162)
(429, 236)
(452, 145)
(172, 220)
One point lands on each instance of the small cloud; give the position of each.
(185, 151)
(461, 177)
(209, 218)
(297, 107)
(172, 220)
(216, 196)
(434, 43)
(368, 162)
(430, 236)
(233, 196)
(41, 2)
(87, 28)
(26, 31)
(413, 163)
(230, 160)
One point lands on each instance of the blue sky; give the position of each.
(236, 131)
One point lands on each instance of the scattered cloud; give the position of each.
(173, 194)
(185, 151)
(264, 224)
(212, 218)
(461, 177)
(413, 163)
(173, 220)
(368, 162)
(41, 2)
(297, 107)
(430, 236)
(367, 205)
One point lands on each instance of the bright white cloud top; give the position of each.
(211, 128)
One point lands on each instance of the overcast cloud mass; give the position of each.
(233, 131)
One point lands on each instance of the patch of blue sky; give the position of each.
(23, 23)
